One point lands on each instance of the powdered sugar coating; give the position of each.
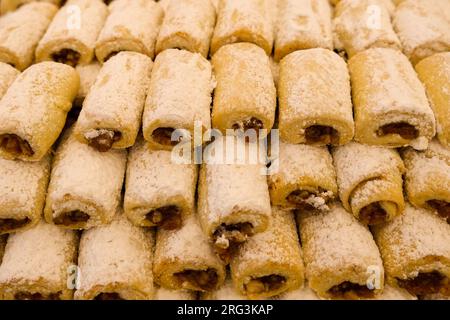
(86, 180)
(132, 25)
(244, 21)
(314, 89)
(7, 76)
(188, 24)
(37, 260)
(116, 100)
(21, 30)
(116, 258)
(88, 73)
(364, 24)
(417, 241)
(422, 26)
(302, 24)
(76, 26)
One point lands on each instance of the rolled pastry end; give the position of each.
(168, 217)
(9, 225)
(228, 237)
(426, 283)
(350, 290)
(310, 200)
(71, 53)
(69, 213)
(266, 285)
(403, 129)
(14, 146)
(102, 139)
(323, 135)
(199, 280)
(442, 207)
(28, 295)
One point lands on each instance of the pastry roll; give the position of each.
(427, 179)
(184, 259)
(132, 25)
(302, 24)
(71, 36)
(342, 260)
(22, 193)
(112, 111)
(370, 181)
(166, 294)
(226, 292)
(34, 110)
(158, 192)
(179, 96)
(416, 252)
(7, 76)
(245, 95)
(250, 21)
(391, 107)
(188, 24)
(21, 31)
(306, 178)
(315, 99)
(37, 264)
(88, 73)
(11, 5)
(364, 24)
(115, 262)
(422, 26)
(434, 72)
(233, 199)
(270, 262)
(85, 185)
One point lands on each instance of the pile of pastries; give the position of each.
(127, 130)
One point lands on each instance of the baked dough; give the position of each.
(434, 72)
(34, 109)
(112, 111)
(422, 26)
(179, 98)
(315, 105)
(85, 185)
(244, 21)
(21, 30)
(7, 76)
(305, 179)
(23, 188)
(370, 182)
(158, 191)
(71, 36)
(427, 179)
(245, 95)
(132, 25)
(340, 254)
(415, 248)
(270, 262)
(88, 73)
(302, 24)
(115, 262)
(391, 107)
(11, 5)
(184, 259)
(188, 24)
(37, 263)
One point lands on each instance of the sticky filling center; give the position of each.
(403, 129)
(15, 145)
(23, 295)
(163, 136)
(442, 207)
(350, 290)
(373, 214)
(264, 284)
(71, 218)
(426, 283)
(252, 123)
(205, 280)
(227, 239)
(12, 224)
(108, 296)
(67, 56)
(103, 139)
(168, 217)
(321, 134)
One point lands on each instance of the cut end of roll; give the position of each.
(322, 135)
(426, 283)
(102, 139)
(228, 238)
(67, 56)
(168, 217)
(252, 123)
(351, 291)
(306, 200)
(23, 295)
(8, 225)
(15, 145)
(163, 136)
(199, 280)
(373, 214)
(403, 129)
(264, 285)
(71, 218)
(442, 207)
(108, 296)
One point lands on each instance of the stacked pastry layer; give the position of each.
(199, 149)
